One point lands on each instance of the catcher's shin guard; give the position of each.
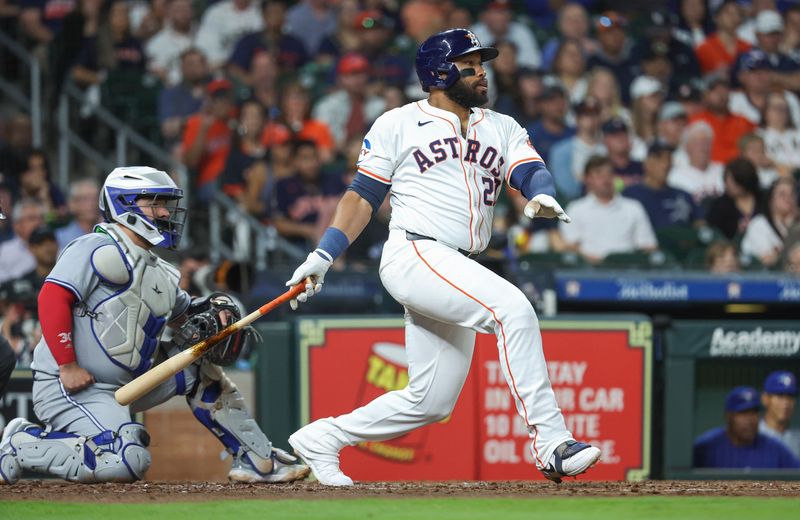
(217, 403)
(120, 456)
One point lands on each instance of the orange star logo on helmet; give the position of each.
(473, 39)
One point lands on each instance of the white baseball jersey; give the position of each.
(443, 184)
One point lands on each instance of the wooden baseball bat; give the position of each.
(171, 366)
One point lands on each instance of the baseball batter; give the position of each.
(444, 160)
(103, 309)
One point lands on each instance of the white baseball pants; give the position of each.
(449, 297)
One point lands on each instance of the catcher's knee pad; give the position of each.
(107, 457)
(218, 405)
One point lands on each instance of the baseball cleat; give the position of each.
(10, 470)
(571, 459)
(285, 468)
(309, 443)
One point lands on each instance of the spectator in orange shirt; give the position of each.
(719, 51)
(728, 128)
(206, 139)
(295, 122)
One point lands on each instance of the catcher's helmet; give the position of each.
(436, 55)
(125, 185)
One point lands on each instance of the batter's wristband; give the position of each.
(333, 243)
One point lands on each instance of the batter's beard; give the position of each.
(465, 95)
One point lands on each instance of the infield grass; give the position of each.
(649, 508)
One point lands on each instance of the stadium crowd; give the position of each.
(672, 128)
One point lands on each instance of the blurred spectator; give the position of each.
(82, 204)
(422, 18)
(569, 66)
(573, 23)
(289, 51)
(779, 397)
(497, 24)
(165, 49)
(345, 38)
(206, 139)
(305, 202)
(551, 127)
(739, 444)
(246, 177)
(294, 122)
(666, 207)
(177, 103)
(348, 111)
(694, 22)
(751, 147)
(791, 32)
(765, 234)
(41, 20)
(672, 121)
(721, 258)
(190, 263)
(690, 97)
(617, 141)
(791, 258)
(604, 222)
(699, 176)
(781, 136)
(784, 67)
(614, 52)
(602, 85)
(388, 67)
(732, 212)
(114, 48)
(15, 258)
(223, 24)
(506, 78)
(311, 21)
(15, 147)
(751, 12)
(663, 56)
(647, 94)
(728, 128)
(35, 183)
(527, 106)
(148, 18)
(79, 26)
(264, 73)
(718, 52)
(751, 101)
(25, 288)
(568, 156)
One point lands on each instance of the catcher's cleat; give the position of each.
(285, 468)
(319, 450)
(10, 469)
(571, 459)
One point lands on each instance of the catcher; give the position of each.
(103, 310)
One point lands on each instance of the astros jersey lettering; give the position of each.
(444, 185)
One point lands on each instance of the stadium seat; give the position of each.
(551, 259)
(640, 260)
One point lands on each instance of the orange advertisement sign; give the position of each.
(600, 375)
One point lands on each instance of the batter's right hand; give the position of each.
(313, 272)
(75, 378)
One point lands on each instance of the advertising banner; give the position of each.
(600, 371)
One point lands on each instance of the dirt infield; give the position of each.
(142, 492)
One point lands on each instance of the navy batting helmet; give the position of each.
(436, 55)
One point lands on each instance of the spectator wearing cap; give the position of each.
(83, 210)
(617, 141)
(223, 24)
(663, 56)
(311, 21)
(731, 212)
(614, 52)
(739, 444)
(349, 110)
(767, 232)
(748, 30)
(568, 156)
(647, 94)
(497, 24)
(551, 127)
(755, 78)
(573, 23)
(569, 66)
(165, 48)
(785, 67)
(728, 128)
(779, 397)
(719, 51)
(689, 95)
(15, 257)
(672, 121)
(752, 148)
(781, 136)
(694, 23)
(604, 222)
(179, 102)
(666, 207)
(206, 138)
(699, 175)
(289, 51)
